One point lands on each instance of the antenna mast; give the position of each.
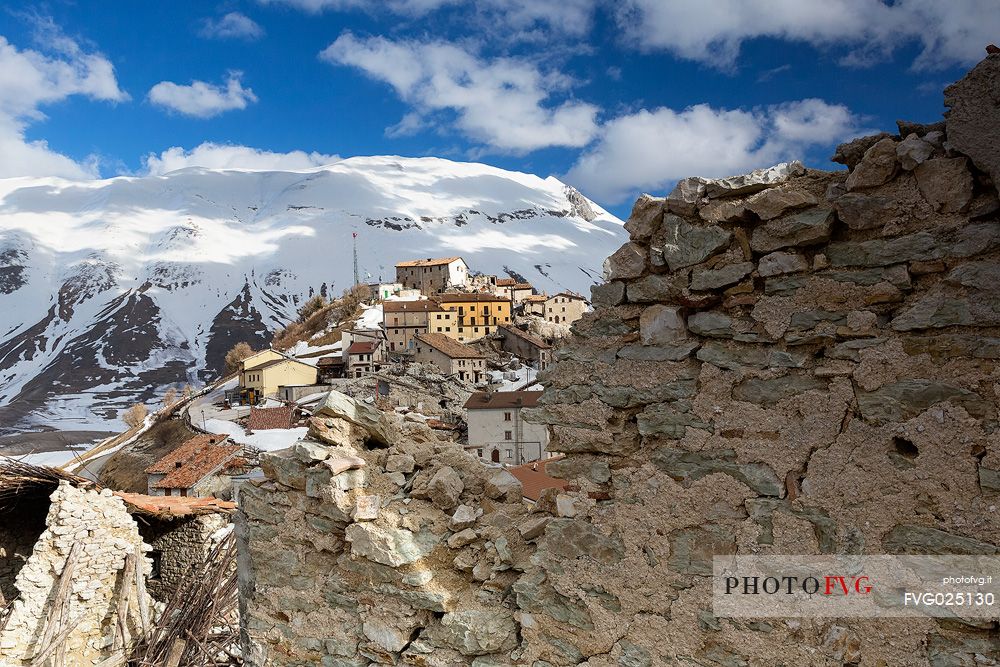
(357, 279)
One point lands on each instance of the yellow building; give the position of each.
(263, 379)
(476, 315)
(259, 358)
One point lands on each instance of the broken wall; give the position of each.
(786, 362)
(96, 526)
(177, 547)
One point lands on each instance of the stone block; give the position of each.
(660, 325)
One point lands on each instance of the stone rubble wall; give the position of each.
(184, 545)
(100, 521)
(785, 362)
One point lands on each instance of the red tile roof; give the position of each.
(262, 419)
(534, 480)
(414, 306)
(463, 297)
(174, 506)
(193, 461)
(428, 262)
(448, 346)
(362, 348)
(481, 400)
(505, 282)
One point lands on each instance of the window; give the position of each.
(506, 416)
(479, 452)
(507, 435)
(157, 558)
(439, 316)
(510, 453)
(447, 328)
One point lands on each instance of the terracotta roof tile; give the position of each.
(427, 262)
(534, 480)
(448, 346)
(524, 335)
(362, 348)
(174, 506)
(465, 297)
(505, 282)
(262, 419)
(193, 461)
(409, 306)
(481, 400)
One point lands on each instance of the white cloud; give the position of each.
(233, 25)
(201, 99)
(225, 156)
(952, 32)
(649, 150)
(519, 17)
(29, 80)
(503, 102)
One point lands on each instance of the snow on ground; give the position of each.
(302, 348)
(524, 374)
(371, 318)
(54, 459)
(268, 441)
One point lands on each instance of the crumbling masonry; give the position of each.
(785, 362)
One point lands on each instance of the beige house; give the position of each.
(432, 276)
(263, 380)
(498, 433)
(513, 291)
(403, 320)
(535, 305)
(365, 357)
(450, 356)
(564, 308)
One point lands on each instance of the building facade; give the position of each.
(476, 315)
(535, 305)
(526, 346)
(497, 431)
(450, 357)
(432, 276)
(512, 290)
(403, 320)
(365, 357)
(564, 308)
(261, 381)
(196, 468)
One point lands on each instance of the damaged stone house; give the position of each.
(81, 567)
(790, 361)
(201, 466)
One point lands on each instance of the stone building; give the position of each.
(403, 320)
(525, 346)
(450, 357)
(564, 308)
(88, 535)
(364, 358)
(789, 361)
(201, 466)
(535, 305)
(512, 290)
(432, 276)
(180, 533)
(498, 432)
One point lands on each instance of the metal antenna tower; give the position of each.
(357, 278)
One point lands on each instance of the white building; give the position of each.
(498, 432)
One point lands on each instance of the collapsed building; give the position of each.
(83, 569)
(790, 361)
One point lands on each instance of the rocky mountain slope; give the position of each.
(112, 289)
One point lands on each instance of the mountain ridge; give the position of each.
(113, 289)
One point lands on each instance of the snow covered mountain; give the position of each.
(113, 289)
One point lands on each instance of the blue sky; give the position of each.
(614, 97)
